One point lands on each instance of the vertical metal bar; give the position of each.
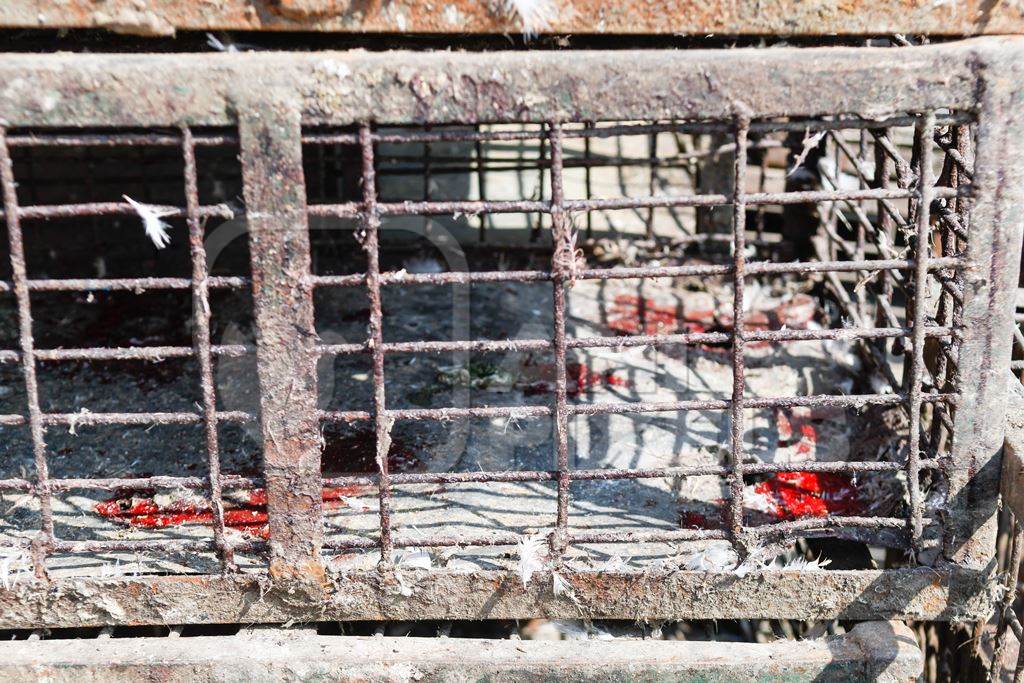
(947, 313)
(762, 182)
(739, 219)
(42, 544)
(923, 132)
(564, 255)
(989, 288)
(201, 340)
(275, 199)
(652, 153)
(1006, 603)
(427, 169)
(883, 169)
(481, 184)
(382, 427)
(859, 251)
(540, 185)
(587, 182)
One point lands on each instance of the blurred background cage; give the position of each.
(346, 337)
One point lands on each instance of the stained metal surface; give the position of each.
(271, 156)
(877, 651)
(273, 96)
(924, 593)
(779, 18)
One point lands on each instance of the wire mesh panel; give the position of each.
(509, 351)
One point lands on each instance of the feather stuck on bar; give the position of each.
(155, 228)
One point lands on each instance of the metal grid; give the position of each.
(564, 271)
(271, 139)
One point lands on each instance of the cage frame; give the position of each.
(271, 96)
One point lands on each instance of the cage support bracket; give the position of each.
(275, 197)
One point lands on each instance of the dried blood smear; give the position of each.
(786, 496)
(790, 495)
(797, 424)
(247, 513)
(245, 510)
(633, 315)
(579, 379)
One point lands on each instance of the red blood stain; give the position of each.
(245, 510)
(801, 423)
(579, 378)
(693, 520)
(633, 315)
(796, 313)
(791, 495)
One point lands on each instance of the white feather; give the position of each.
(533, 15)
(416, 559)
(717, 556)
(422, 264)
(155, 228)
(802, 564)
(13, 564)
(531, 556)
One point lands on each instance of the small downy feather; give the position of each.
(155, 228)
(533, 15)
(717, 556)
(802, 564)
(417, 559)
(531, 556)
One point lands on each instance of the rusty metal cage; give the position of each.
(911, 232)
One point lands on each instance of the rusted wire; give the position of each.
(922, 247)
(201, 340)
(475, 207)
(382, 423)
(563, 266)
(737, 405)
(43, 544)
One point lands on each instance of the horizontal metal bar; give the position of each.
(158, 545)
(625, 273)
(203, 89)
(88, 418)
(619, 408)
(118, 209)
(474, 207)
(605, 131)
(924, 593)
(135, 284)
(152, 353)
(861, 654)
(410, 478)
(118, 140)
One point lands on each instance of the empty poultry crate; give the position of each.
(625, 335)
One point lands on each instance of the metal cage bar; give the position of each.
(46, 539)
(299, 92)
(271, 156)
